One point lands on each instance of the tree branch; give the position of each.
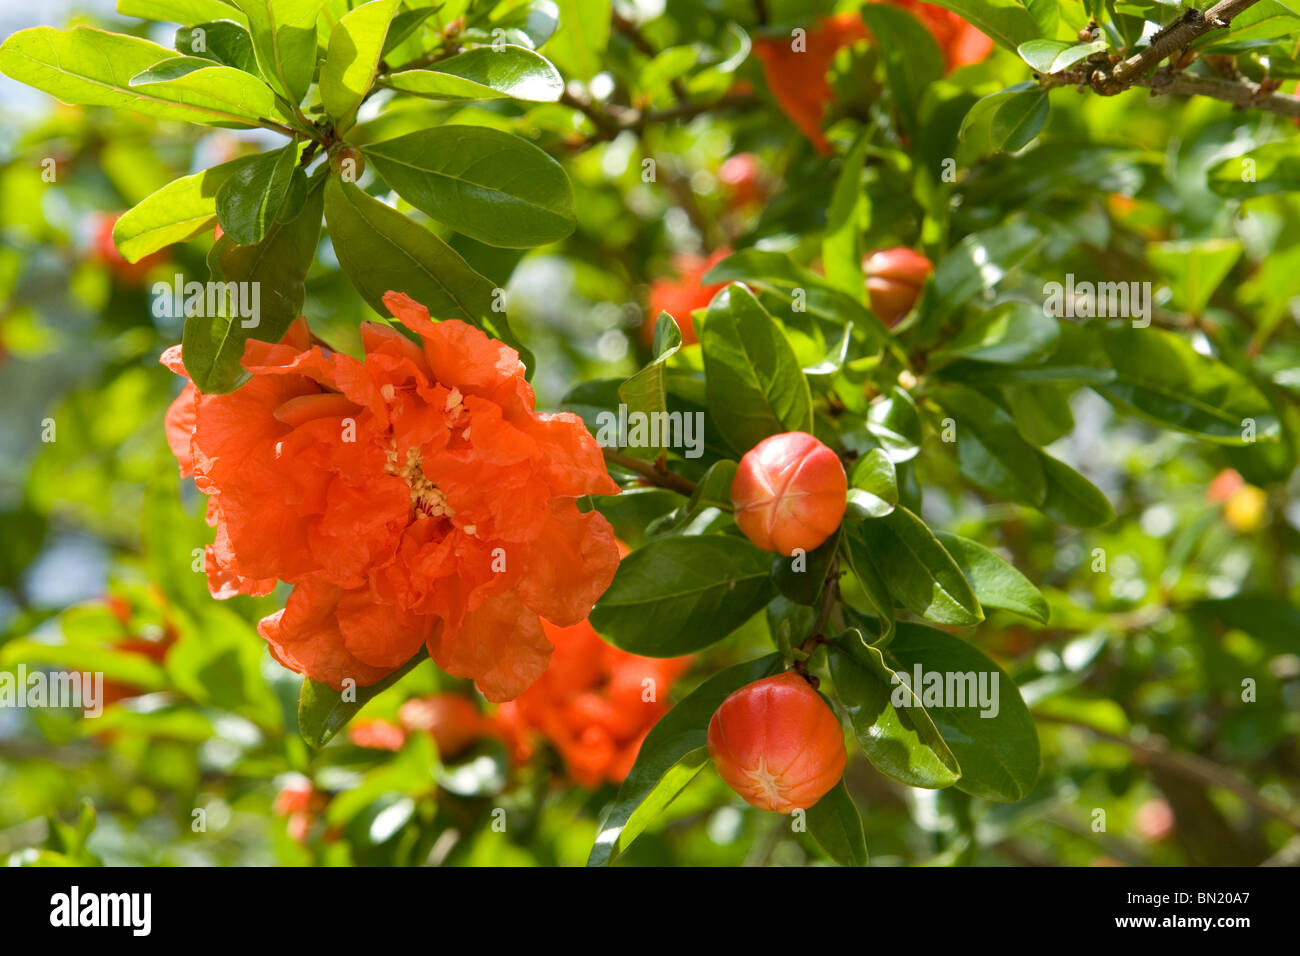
(1190, 766)
(1110, 78)
(1178, 36)
(654, 473)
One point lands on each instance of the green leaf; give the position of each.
(776, 274)
(678, 595)
(991, 452)
(896, 424)
(856, 552)
(801, 577)
(995, 581)
(221, 41)
(1008, 22)
(90, 67)
(836, 825)
(381, 250)
(889, 722)
(644, 392)
(919, 573)
(352, 59)
(1072, 498)
(179, 211)
(1266, 169)
(180, 11)
(1160, 377)
(978, 120)
(974, 265)
(755, 385)
(912, 58)
(489, 185)
(284, 39)
(873, 485)
(1194, 268)
(1014, 333)
(404, 25)
(1018, 119)
(1040, 53)
(848, 217)
(485, 73)
(212, 346)
(998, 754)
(322, 711)
(251, 198)
(582, 37)
(670, 757)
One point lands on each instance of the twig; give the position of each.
(652, 472)
(1191, 766)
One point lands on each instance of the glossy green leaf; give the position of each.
(284, 40)
(1014, 333)
(998, 753)
(179, 211)
(1072, 498)
(678, 595)
(251, 198)
(1008, 22)
(490, 185)
(848, 217)
(670, 757)
(485, 73)
(222, 41)
(582, 36)
(92, 67)
(991, 452)
(323, 711)
(352, 58)
(889, 721)
(644, 392)
(919, 573)
(836, 825)
(180, 11)
(1160, 377)
(912, 58)
(995, 581)
(873, 485)
(755, 385)
(212, 346)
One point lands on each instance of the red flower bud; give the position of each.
(894, 281)
(777, 744)
(789, 493)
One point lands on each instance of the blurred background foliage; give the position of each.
(1157, 618)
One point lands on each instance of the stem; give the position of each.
(1190, 766)
(654, 473)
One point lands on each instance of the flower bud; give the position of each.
(789, 493)
(777, 744)
(894, 281)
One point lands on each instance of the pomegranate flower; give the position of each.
(413, 498)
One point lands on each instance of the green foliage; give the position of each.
(1027, 468)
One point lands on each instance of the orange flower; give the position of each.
(377, 735)
(682, 295)
(413, 498)
(595, 704)
(452, 719)
(798, 78)
(961, 43)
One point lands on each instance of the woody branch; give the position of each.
(1140, 69)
